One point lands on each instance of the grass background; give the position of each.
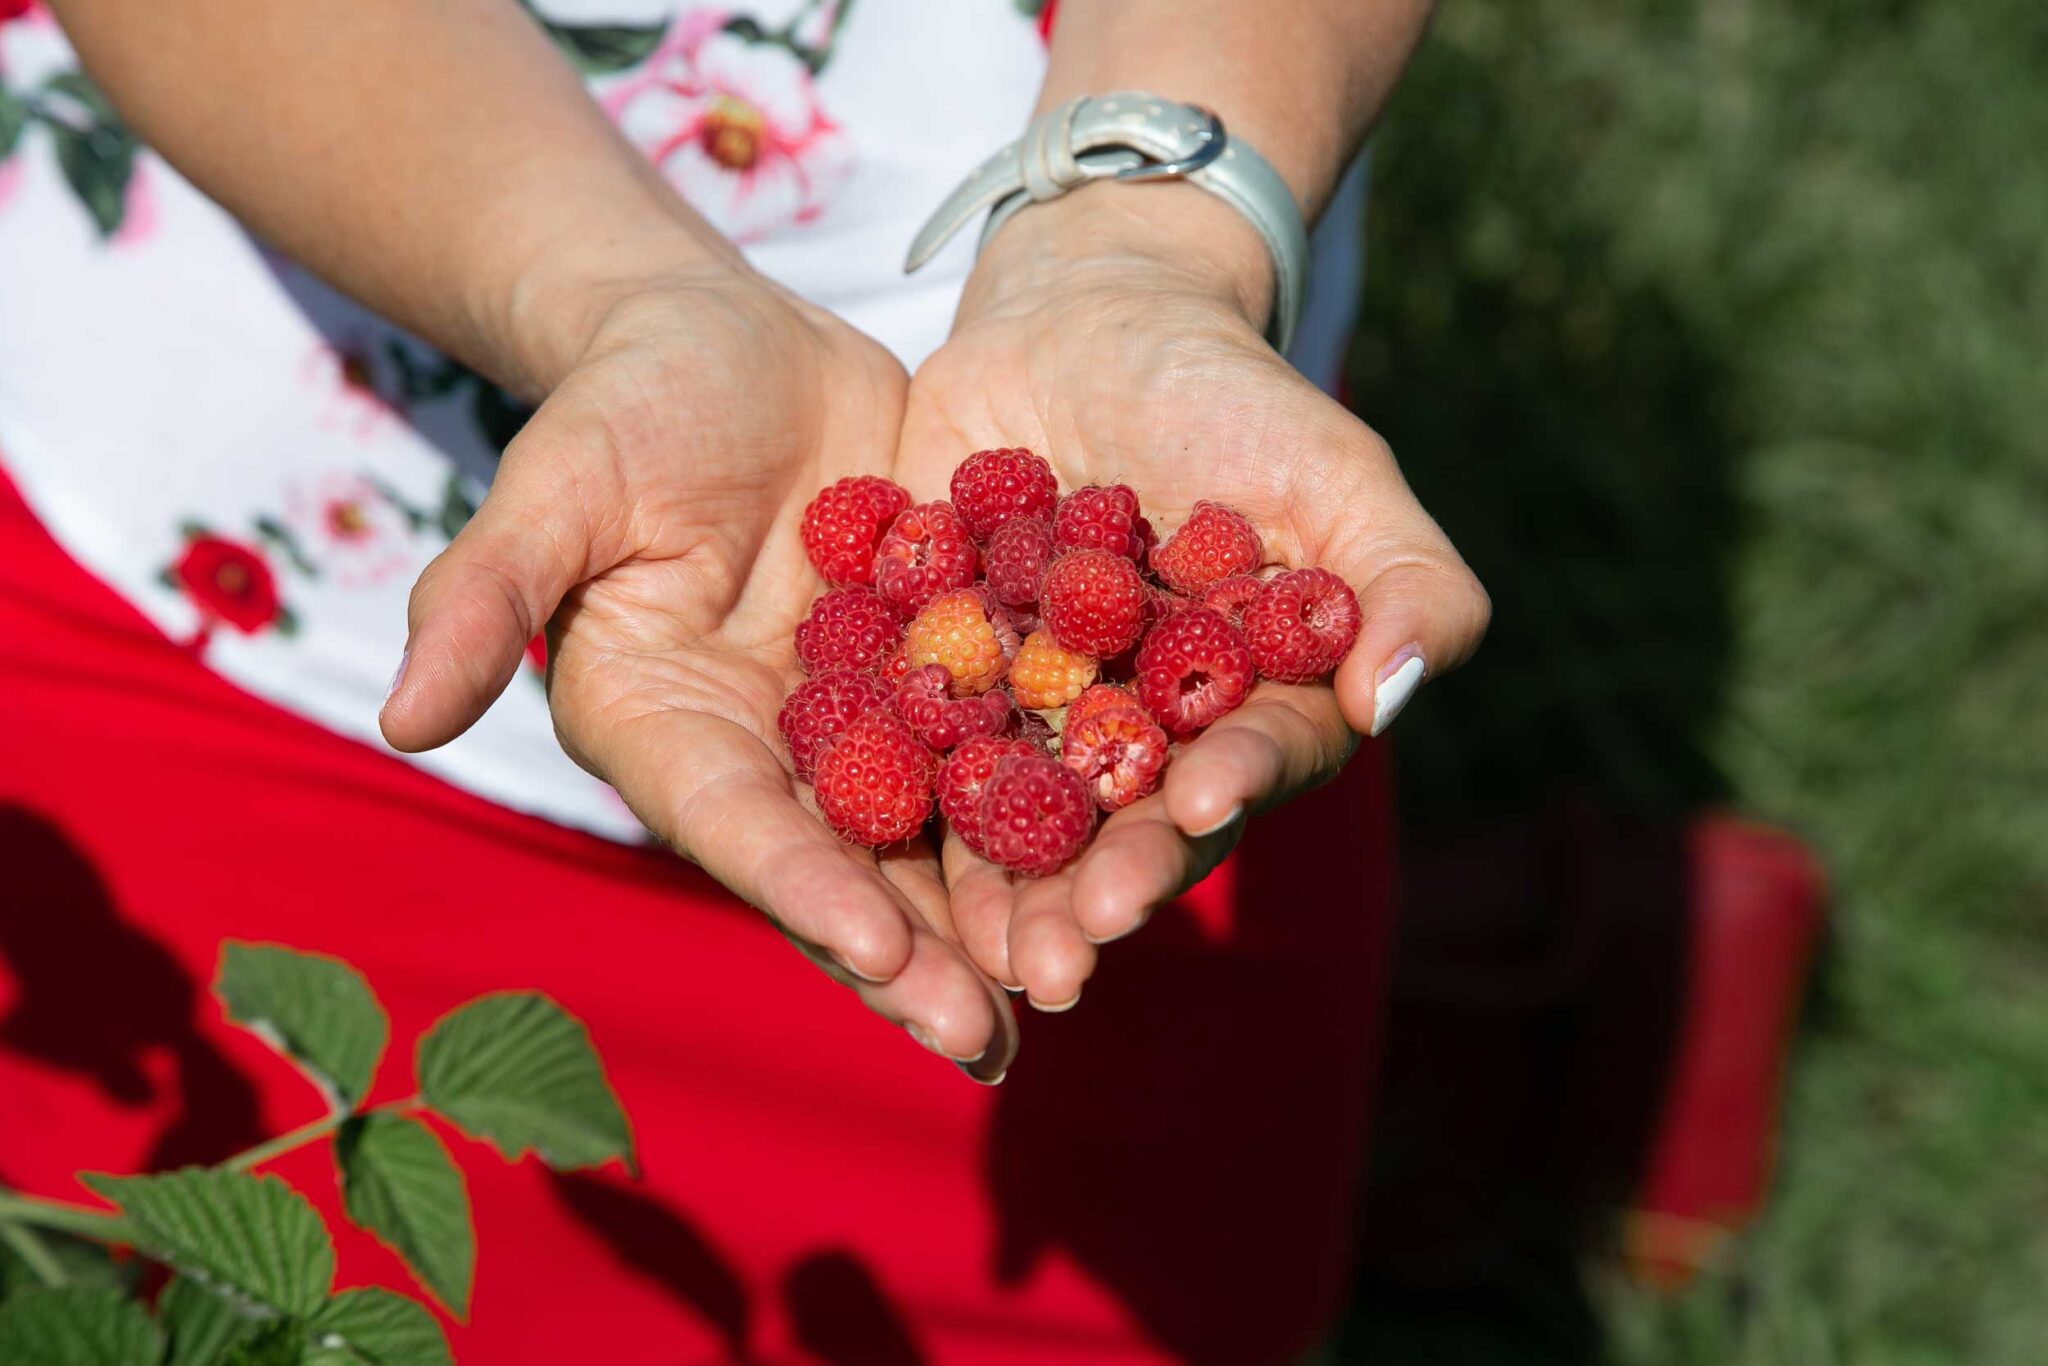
(1716, 334)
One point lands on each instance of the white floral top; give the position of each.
(263, 467)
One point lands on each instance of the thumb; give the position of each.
(1423, 615)
(483, 598)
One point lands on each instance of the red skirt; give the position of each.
(1167, 1175)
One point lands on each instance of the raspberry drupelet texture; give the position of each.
(942, 720)
(1093, 602)
(847, 628)
(1231, 596)
(968, 634)
(1035, 815)
(843, 526)
(925, 552)
(1046, 674)
(962, 775)
(822, 708)
(1214, 543)
(1015, 560)
(1094, 699)
(875, 782)
(1117, 751)
(992, 487)
(1193, 669)
(1301, 625)
(1102, 517)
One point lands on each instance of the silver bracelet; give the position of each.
(1133, 136)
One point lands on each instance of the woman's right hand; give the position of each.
(648, 517)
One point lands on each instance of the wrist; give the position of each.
(1169, 236)
(540, 323)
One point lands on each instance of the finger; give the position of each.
(716, 794)
(1421, 618)
(1050, 956)
(981, 898)
(1281, 742)
(475, 608)
(1140, 861)
(948, 1006)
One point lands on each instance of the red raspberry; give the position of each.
(822, 708)
(1098, 697)
(962, 775)
(1093, 602)
(1102, 517)
(1192, 670)
(875, 782)
(942, 721)
(968, 634)
(1214, 543)
(843, 526)
(847, 628)
(1047, 674)
(991, 487)
(1035, 815)
(1117, 750)
(1015, 560)
(1301, 625)
(1231, 596)
(925, 552)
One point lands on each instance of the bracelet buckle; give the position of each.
(1214, 140)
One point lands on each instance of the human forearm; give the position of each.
(439, 162)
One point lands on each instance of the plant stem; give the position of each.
(307, 1133)
(30, 1249)
(74, 1219)
(283, 1143)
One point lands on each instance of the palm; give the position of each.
(1144, 382)
(657, 495)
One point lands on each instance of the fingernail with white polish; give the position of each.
(1059, 1008)
(1398, 681)
(1232, 814)
(924, 1039)
(398, 675)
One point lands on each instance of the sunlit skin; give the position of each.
(1117, 332)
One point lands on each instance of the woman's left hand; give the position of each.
(1117, 332)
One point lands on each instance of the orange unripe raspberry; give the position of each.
(1046, 674)
(965, 632)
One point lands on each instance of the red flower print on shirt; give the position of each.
(733, 121)
(229, 582)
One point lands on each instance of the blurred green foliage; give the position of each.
(1716, 334)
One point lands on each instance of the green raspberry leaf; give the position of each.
(77, 1326)
(203, 1327)
(398, 1182)
(316, 1010)
(603, 49)
(83, 1263)
(516, 1069)
(252, 1238)
(374, 1328)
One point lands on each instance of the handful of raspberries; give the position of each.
(1020, 660)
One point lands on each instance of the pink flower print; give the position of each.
(348, 528)
(736, 127)
(345, 370)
